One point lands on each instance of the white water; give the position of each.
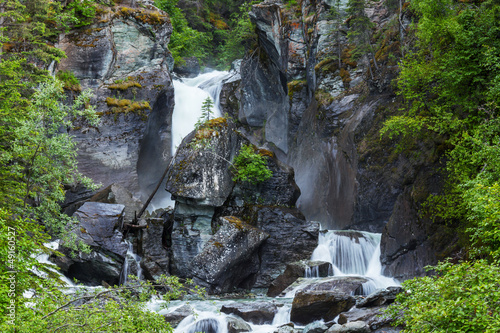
(355, 253)
(131, 258)
(189, 97)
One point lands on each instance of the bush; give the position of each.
(250, 166)
(460, 298)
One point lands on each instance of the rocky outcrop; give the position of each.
(309, 306)
(229, 257)
(254, 312)
(176, 316)
(237, 325)
(200, 179)
(123, 58)
(153, 248)
(98, 229)
(352, 327)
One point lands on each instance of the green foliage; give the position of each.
(239, 38)
(184, 41)
(451, 82)
(83, 11)
(69, 81)
(360, 28)
(115, 309)
(250, 166)
(460, 298)
(206, 109)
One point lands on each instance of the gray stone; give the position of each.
(296, 270)
(309, 306)
(97, 227)
(287, 328)
(254, 312)
(316, 327)
(379, 297)
(237, 325)
(224, 262)
(155, 258)
(352, 327)
(374, 317)
(176, 316)
(346, 284)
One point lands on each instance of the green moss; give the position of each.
(295, 86)
(126, 106)
(125, 85)
(69, 80)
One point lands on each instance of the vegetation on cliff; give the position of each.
(37, 158)
(451, 84)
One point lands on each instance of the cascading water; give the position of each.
(131, 265)
(353, 253)
(189, 97)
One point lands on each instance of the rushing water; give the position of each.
(132, 260)
(189, 97)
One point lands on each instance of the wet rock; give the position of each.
(316, 327)
(224, 261)
(312, 305)
(296, 270)
(287, 328)
(345, 284)
(292, 238)
(117, 194)
(98, 226)
(155, 259)
(254, 312)
(176, 316)
(190, 67)
(98, 223)
(237, 325)
(352, 327)
(380, 297)
(374, 317)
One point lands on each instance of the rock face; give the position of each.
(226, 259)
(123, 58)
(205, 244)
(176, 316)
(256, 312)
(309, 306)
(98, 229)
(322, 116)
(155, 258)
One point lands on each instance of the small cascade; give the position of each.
(203, 322)
(131, 265)
(44, 259)
(312, 272)
(350, 252)
(282, 316)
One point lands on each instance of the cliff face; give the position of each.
(123, 58)
(322, 116)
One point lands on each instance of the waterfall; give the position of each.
(190, 93)
(131, 265)
(189, 97)
(203, 322)
(353, 253)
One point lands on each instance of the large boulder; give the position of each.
(309, 306)
(230, 257)
(237, 325)
(201, 182)
(254, 312)
(98, 228)
(352, 327)
(176, 316)
(352, 285)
